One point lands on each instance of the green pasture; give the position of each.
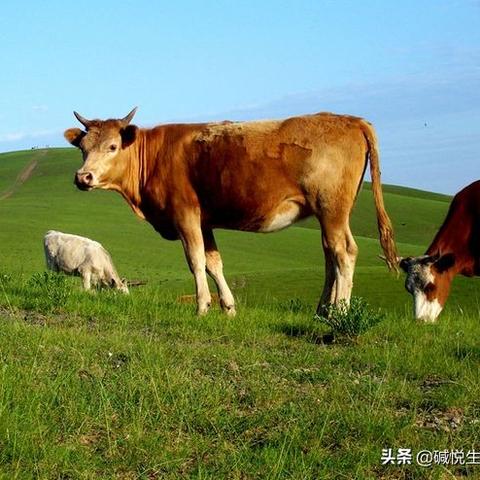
(124, 387)
(261, 267)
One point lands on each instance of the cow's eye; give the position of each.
(113, 148)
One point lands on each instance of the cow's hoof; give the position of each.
(322, 312)
(427, 321)
(203, 310)
(228, 308)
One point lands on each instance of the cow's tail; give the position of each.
(385, 228)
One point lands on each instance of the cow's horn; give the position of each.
(83, 120)
(126, 120)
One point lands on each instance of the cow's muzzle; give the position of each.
(84, 180)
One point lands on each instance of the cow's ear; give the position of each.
(129, 134)
(444, 263)
(74, 136)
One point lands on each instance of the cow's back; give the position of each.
(245, 169)
(69, 252)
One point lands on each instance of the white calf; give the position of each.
(81, 256)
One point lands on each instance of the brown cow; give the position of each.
(454, 250)
(187, 179)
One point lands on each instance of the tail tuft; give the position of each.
(385, 227)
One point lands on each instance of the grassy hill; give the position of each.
(285, 265)
(107, 386)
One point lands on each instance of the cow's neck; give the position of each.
(452, 239)
(136, 172)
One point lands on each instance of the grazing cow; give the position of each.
(454, 250)
(81, 256)
(187, 179)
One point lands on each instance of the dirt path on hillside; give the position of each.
(23, 176)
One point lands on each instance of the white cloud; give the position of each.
(36, 135)
(12, 136)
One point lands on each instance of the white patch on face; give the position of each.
(425, 310)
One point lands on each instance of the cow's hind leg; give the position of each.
(215, 270)
(192, 240)
(340, 257)
(328, 294)
(346, 263)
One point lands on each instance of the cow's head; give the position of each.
(428, 279)
(102, 143)
(122, 286)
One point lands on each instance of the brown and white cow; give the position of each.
(81, 256)
(187, 179)
(454, 250)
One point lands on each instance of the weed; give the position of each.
(351, 321)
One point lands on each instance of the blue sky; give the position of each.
(412, 68)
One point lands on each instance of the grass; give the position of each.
(123, 387)
(348, 321)
(108, 386)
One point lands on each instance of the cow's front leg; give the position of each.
(215, 270)
(86, 279)
(192, 240)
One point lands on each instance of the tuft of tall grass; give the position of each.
(352, 320)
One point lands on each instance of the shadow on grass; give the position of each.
(309, 333)
(468, 352)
